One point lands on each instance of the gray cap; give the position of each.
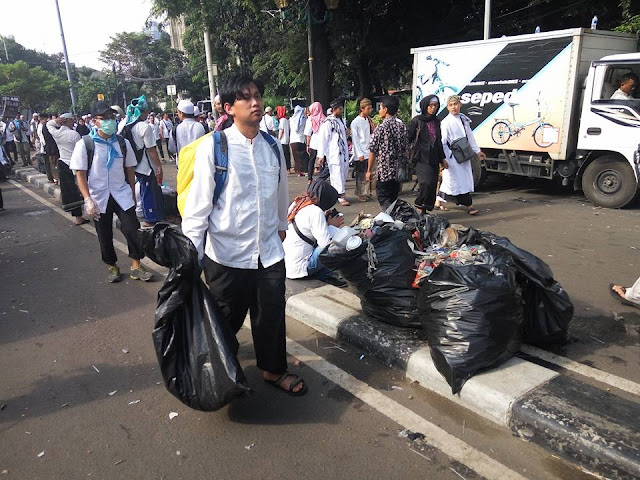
(66, 115)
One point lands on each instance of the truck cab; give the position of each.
(609, 133)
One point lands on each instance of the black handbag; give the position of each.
(461, 149)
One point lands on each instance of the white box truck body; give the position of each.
(540, 106)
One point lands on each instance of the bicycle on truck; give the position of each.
(442, 90)
(504, 129)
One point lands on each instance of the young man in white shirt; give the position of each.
(166, 125)
(267, 124)
(188, 130)
(628, 83)
(332, 145)
(107, 190)
(155, 125)
(61, 129)
(361, 130)
(149, 168)
(244, 230)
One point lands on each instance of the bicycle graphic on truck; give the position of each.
(428, 81)
(504, 129)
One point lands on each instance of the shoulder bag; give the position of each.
(460, 148)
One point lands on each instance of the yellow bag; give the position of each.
(187, 159)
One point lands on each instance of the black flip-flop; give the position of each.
(297, 380)
(623, 301)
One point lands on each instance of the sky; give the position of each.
(34, 25)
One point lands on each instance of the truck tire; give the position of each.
(500, 133)
(479, 172)
(609, 182)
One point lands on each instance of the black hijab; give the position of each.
(424, 103)
(327, 195)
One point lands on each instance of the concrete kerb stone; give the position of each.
(513, 395)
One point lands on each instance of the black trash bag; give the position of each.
(472, 315)
(195, 348)
(381, 271)
(432, 229)
(405, 212)
(548, 308)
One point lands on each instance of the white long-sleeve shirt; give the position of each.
(360, 137)
(328, 142)
(186, 132)
(65, 138)
(312, 223)
(308, 132)
(242, 228)
(458, 178)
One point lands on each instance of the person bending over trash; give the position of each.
(312, 224)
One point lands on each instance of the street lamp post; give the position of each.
(331, 5)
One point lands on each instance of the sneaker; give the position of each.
(336, 282)
(114, 274)
(140, 274)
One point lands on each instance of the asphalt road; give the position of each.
(81, 395)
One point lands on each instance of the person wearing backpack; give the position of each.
(149, 168)
(187, 131)
(237, 222)
(105, 171)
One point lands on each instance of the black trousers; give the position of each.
(10, 147)
(427, 176)
(69, 193)
(387, 192)
(312, 163)
(300, 157)
(287, 155)
(261, 292)
(462, 199)
(129, 226)
(159, 147)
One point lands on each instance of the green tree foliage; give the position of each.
(630, 17)
(37, 88)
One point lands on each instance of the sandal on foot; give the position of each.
(472, 211)
(617, 296)
(290, 391)
(441, 207)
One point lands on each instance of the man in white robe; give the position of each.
(332, 144)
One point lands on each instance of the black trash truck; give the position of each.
(541, 106)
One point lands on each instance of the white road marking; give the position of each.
(116, 243)
(577, 367)
(436, 436)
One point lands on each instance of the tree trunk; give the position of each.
(321, 55)
(364, 79)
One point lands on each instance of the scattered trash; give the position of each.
(28, 433)
(173, 415)
(451, 468)
(178, 452)
(95, 368)
(56, 268)
(134, 402)
(23, 311)
(410, 397)
(249, 447)
(408, 434)
(395, 387)
(597, 340)
(41, 454)
(64, 405)
(3, 406)
(111, 394)
(118, 462)
(422, 455)
(296, 363)
(124, 350)
(5, 472)
(338, 347)
(617, 317)
(361, 356)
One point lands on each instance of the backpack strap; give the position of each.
(314, 244)
(274, 146)
(221, 161)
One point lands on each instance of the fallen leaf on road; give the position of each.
(173, 415)
(41, 454)
(134, 402)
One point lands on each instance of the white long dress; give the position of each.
(458, 178)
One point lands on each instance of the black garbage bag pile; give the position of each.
(195, 348)
(472, 315)
(548, 308)
(380, 271)
(405, 212)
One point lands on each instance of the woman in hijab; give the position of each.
(316, 118)
(312, 225)
(427, 151)
(298, 142)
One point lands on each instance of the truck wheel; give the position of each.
(479, 172)
(500, 133)
(609, 182)
(537, 136)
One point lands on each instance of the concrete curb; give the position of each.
(576, 421)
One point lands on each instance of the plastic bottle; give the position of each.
(594, 22)
(537, 29)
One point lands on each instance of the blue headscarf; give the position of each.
(135, 109)
(111, 143)
(298, 119)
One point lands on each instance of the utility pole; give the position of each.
(487, 19)
(66, 61)
(207, 51)
(5, 49)
(310, 45)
